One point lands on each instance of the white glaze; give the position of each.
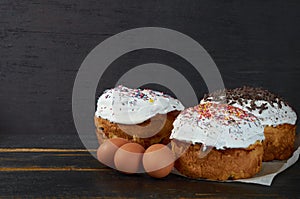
(133, 106)
(216, 130)
(272, 116)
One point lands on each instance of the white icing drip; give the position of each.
(213, 131)
(133, 106)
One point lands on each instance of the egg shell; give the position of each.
(107, 150)
(128, 158)
(158, 160)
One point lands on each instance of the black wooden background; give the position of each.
(43, 43)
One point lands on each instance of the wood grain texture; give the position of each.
(43, 43)
(75, 173)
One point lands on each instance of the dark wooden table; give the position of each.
(64, 168)
(44, 42)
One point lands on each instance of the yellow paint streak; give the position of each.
(69, 154)
(9, 169)
(48, 150)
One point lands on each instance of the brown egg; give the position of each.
(128, 158)
(107, 150)
(158, 160)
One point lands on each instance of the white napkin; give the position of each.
(270, 170)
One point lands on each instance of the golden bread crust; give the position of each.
(279, 142)
(218, 164)
(156, 130)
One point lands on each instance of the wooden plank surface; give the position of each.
(52, 172)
